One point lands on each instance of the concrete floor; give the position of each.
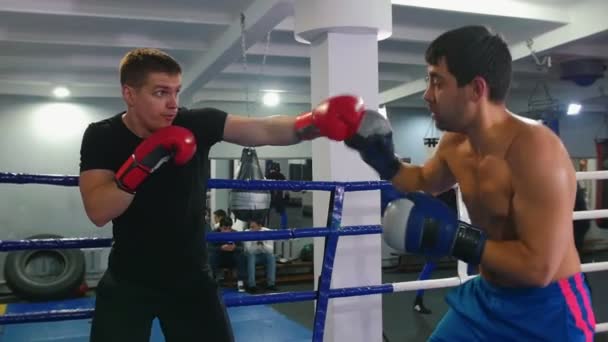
(401, 323)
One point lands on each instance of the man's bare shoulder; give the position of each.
(534, 144)
(449, 145)
(450, 140)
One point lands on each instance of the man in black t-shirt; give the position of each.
(144, 170)
(277, 200)
(277, 197)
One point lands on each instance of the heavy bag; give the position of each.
(247, 204)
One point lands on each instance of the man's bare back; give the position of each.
(485, 178)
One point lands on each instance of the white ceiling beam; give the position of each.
(261, 17)
(499, 8)
(269, 70)
(40, 37)
(530, 67)
(61, 62)
(287, 24)
(583, 50)
(59, 77)
(413, 34)
(399, 57)
(405, 33)
(240, 96)
(588, 18)
(35, 88)
(280, 49)
(283, 85)
(294, 71)
(410, 102)
(215, 90)
(403, 90)
(297, 50)
(98, 9)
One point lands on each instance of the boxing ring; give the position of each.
(331, 232)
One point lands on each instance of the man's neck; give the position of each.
(487, 127)
(128, 118)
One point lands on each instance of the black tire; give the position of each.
(26, 286)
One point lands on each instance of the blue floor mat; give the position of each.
(259, 323)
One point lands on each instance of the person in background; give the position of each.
(277, 197)
(226, 254)
(218, 215)
(257, 252)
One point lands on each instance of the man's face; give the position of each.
(225, 229)
(156, 102)
(254, 226)
(446, 101)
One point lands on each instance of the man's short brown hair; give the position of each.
(137, 64)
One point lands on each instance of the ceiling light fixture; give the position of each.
(61, 92)
(271, 99)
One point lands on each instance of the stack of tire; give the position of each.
(65, 283)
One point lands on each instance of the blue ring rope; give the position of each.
(332, 233)
(22, 178)
(230, 301)
(294, 233)
(63, 243)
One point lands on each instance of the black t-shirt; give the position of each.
(159, 239)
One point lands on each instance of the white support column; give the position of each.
(344, 59)
(220, 168)
(463, 215)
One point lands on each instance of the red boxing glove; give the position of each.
(170, 142)
(336, 118)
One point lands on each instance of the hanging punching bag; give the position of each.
(247, 204)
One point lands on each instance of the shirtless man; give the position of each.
(518, 185)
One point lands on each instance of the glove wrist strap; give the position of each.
(305, 128)
(469, 244)
(391, 170)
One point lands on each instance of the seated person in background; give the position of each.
(226, 254)
(260, 252)
(207, 220)
(218, 215)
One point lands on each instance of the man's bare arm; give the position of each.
(103, 200)
(433, 177)
(544, 187)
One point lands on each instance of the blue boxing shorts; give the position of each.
(480, 311)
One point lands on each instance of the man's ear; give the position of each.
(128, 94)
(479, 88)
